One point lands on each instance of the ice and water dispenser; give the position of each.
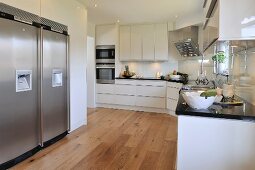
(57, 78)
(23, 80)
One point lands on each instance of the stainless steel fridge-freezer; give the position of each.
(19, 114)
(34, 88)
(54, 86)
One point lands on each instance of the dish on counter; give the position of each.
(195, 101)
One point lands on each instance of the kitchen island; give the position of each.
(217, 138)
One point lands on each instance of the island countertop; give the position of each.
(244, 112)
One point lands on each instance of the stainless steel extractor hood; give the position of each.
(187, 41)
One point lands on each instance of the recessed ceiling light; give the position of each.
(176, 16)
(95, 5)
(118, 21)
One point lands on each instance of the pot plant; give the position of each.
(220, 58)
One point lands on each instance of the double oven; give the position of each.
(105, 64)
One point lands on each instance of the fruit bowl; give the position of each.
(195, 101)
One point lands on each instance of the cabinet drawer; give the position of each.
(172, 104)
(125, 82)
(105, 88)
(151, 91)
(173, 93)
(151, 102)
(156, 83)
(124, 100)
(174, 85)
(105, 98)
(125, 90)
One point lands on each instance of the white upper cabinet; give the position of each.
(230, 19)
(237, 19)
(125, 43)
(161, 42)
(148, 43)
(136, 42)
(106, 35)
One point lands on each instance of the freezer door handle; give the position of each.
(40, 44)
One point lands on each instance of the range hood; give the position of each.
(186, 41)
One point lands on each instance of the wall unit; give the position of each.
(147, 42)
(136, 43)
(161, 42)
(106, 34)
(236, 19)
(228, 20)
(148, 49)
(125, 42)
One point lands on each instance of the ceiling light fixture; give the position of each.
(95, 5)
(118, 21)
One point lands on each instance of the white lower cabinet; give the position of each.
(140, 93)
(150, 91)
(171, 104)
(173, 90)
(154, 102)
(124, 100)
(105, 98)
(105, 88)
(125, 90)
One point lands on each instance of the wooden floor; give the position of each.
(113, 139)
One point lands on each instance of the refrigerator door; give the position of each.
(54, 85)
(18, 88)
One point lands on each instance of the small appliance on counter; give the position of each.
(178, 77)
(105, 64)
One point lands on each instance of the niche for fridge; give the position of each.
(57, 78)
(23, 80)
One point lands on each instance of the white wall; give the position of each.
(91, 69)
(74, 15)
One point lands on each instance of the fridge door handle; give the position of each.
(68, 82)
(40, 85)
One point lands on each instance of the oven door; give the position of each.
(105, 74)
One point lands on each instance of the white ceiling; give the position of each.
(139, 11)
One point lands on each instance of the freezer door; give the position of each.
(18, 89)
(54, 85)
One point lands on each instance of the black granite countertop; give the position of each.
(148, 78)
(244, 112)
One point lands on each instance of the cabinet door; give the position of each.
(148, 42)
(151, 102)
(150, 91)
(106, 35)
(161, 42)
(105, 98)
(125, 43)
(128, 90)
(136, 43)
(105, 88)
(237, 19)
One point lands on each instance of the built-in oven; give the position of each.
(105, 54)
(105, 73)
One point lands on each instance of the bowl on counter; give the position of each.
(195, 101)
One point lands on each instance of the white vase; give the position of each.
(221, 68)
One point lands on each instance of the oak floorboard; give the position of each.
(113, 140)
